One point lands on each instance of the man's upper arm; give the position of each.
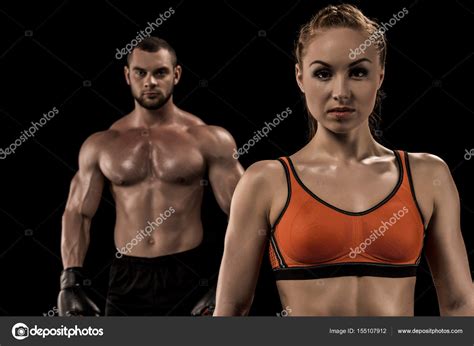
(445, 249)
(223, 169)
(87, 184)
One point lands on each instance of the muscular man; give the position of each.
(156, 159)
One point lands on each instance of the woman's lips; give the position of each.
(342, 112)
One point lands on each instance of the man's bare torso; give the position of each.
(153, 171)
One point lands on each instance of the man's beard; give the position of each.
(155, 103)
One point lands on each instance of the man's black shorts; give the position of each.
(161, 286)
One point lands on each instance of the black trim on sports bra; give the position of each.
(412, 188)
(288, 184)
(345, 269)
(273, 243)
(352, 213)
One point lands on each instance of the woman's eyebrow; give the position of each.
(358, 61)
(351, 64)
(320, 62)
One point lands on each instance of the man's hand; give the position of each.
(72, 299)
(206, 305)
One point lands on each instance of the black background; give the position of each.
(238, 73)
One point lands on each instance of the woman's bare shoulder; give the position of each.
(262, 179)
(427, 165)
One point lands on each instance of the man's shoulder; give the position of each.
(211, 136)
(121, 124)
(96, 142)
(214, 141)
(211, 132)
(189, 119)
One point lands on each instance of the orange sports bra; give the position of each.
(313, 239)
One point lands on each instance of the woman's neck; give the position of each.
(352, 146)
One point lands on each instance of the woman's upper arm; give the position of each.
(245, 240)
(445, 249)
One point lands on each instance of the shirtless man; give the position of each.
(156, 159)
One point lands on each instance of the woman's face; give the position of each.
(340, 89)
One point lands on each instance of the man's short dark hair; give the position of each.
(154, 44)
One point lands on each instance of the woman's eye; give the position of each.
(359, 72)
(322, 74)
